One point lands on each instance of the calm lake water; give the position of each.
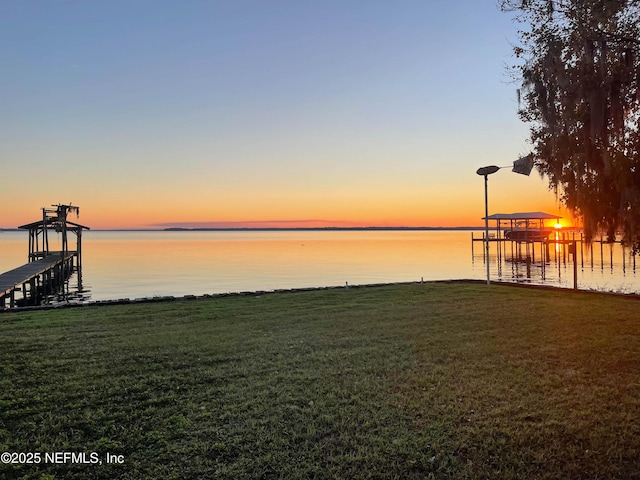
(145, 264)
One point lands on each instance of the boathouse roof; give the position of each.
(523, 216)
(51, 223)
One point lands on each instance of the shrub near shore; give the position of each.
(407, 381)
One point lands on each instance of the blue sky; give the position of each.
(196, 112)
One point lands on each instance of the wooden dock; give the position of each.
(36, 277)
(47, 270)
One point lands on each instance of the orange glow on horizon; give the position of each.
(97, 218)
(436, 205)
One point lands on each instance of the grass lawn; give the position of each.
(439, 380)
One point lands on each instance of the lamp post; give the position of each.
(486, 171)
(523, 166)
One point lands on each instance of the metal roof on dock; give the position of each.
(50, 223)
(522, 216)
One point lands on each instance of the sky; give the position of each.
(154, 114)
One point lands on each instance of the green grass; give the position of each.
(408, 381)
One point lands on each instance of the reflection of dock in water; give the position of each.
(47, 271)
(523, 239)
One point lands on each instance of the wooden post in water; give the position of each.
(45, 234)
(575, 265)
(79, 248)
(611, 255)
(544, 253)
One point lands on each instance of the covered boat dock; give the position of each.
(526, 232)
(522, 230)
(46, 270)
(524, 227)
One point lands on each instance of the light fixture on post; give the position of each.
(523, 166)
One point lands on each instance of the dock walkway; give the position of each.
(32, 273)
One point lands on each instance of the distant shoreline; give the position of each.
(315, 229)
(273, 229)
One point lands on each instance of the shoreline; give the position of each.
(258, 293)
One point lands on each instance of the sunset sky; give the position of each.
(149, 114)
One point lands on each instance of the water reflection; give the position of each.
(145, 264)
(600, 266)
(179, 263)
(71, 291)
